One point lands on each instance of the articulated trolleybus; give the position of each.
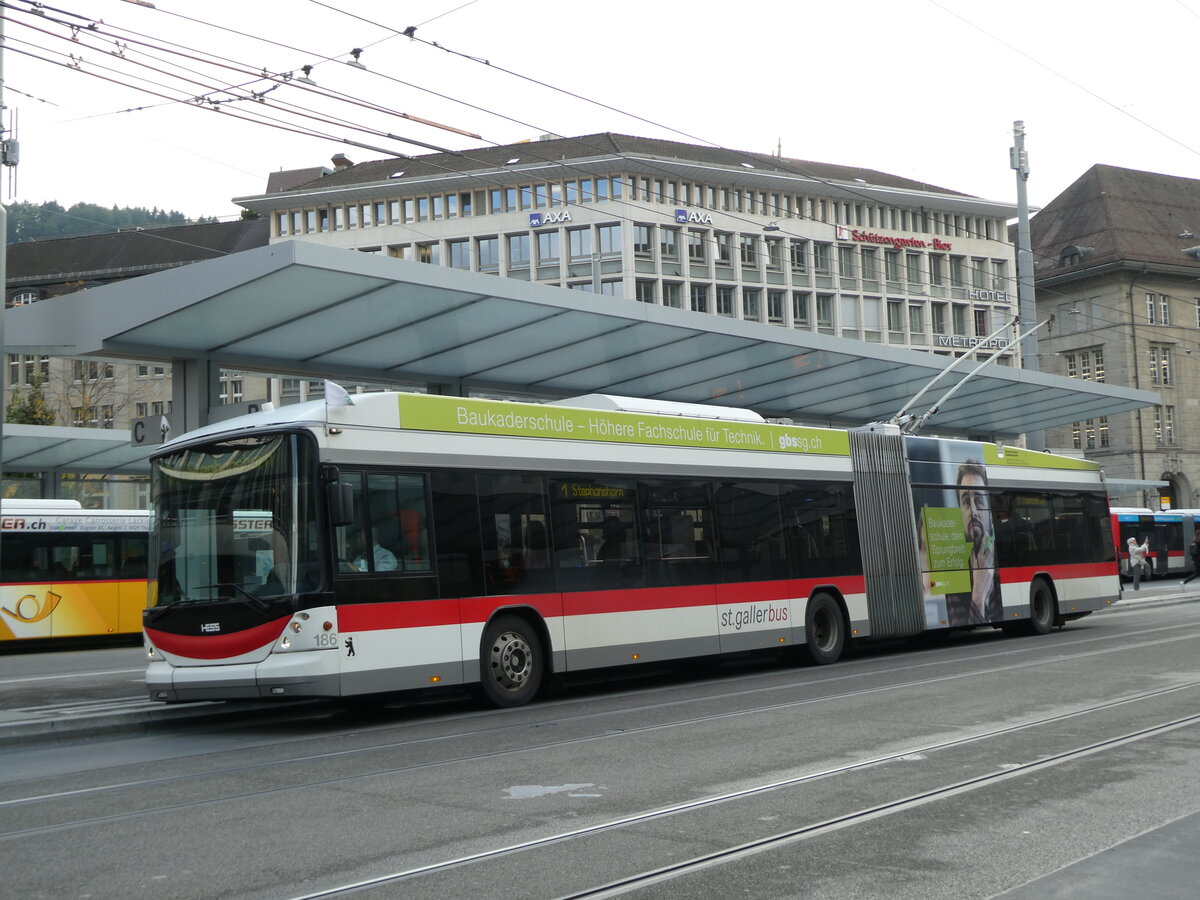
(408, 540)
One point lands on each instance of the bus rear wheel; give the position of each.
(511, 662)
(1042, 611)
(824, 630)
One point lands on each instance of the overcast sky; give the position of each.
(923, 89)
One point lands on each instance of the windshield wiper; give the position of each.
(248, 598)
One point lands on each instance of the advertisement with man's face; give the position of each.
(956, 532)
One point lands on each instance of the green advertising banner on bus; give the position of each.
(465, 416)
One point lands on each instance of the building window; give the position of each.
(821, 259)
(579, 240)
(459, 253)
(959, 314)
(695, 247)
(1158, 309)
(668, 243)
(518, 251)
(673, 294)
(916, 318)
(895, 317)
(936, 266)
(999, 275)
(751, 309)
(699, 298)
(775, 306)
(748, 250)
(870, 264)
(774, 253)
(724, 300)
(487, 251)
(1160, 365)
(801, 312)
(824, 310)
(938, 313)
(643, 240)
(429, 253)
(891, 265)
(912, 262)
(798, 251)
(547, 242)
(981, 322)
(1164, 424)
(609, 238)
(644, 291)
(956, 272)
(724, 248)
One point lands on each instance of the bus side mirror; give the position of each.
(340, 500)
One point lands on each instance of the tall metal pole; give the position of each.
(1026, 304)
(3, 265)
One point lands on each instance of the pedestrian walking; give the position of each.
(1137, 560)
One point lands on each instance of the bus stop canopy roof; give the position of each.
(50, 448)
(313, 311)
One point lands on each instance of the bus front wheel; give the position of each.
(511, 662)
(824, 629)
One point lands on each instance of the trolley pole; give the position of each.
(1026, 304)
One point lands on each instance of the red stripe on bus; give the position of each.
(217, 646)
(1069, 570)
(429, 613)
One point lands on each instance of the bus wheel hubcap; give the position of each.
(511, 660)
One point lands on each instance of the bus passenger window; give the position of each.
(390, 531)
(513, 518)
(677, 521)
(596, 543)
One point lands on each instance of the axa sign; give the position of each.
(688, 217)
(537, 220)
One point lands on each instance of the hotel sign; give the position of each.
(970, 343)
(994, 296)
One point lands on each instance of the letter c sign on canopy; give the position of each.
(150, 430)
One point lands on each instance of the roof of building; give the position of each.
(600, 145)
(288, 179)
(1113, 216)
(104, 257)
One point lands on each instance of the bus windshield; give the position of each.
(234, 520)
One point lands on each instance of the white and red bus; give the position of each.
(1167, 533)
(409, 540)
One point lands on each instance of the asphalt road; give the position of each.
(1058, 766)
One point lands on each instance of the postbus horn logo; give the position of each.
(30, 609)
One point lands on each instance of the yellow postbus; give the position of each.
(69, 572)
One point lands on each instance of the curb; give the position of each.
(17, 728)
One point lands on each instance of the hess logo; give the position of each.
(210, 627)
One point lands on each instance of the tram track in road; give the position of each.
(309, 784)
(780, 838)
(605, 734)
